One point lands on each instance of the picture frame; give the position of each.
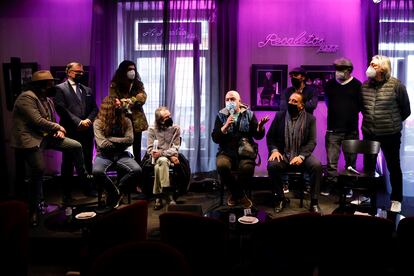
(59, 73)
(13, 86)
(319, 75)
(267, 83)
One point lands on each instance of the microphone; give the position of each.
(353, 170)
(231, 111)
(154, 147)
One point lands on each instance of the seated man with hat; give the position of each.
(297, 78)
(35, 129)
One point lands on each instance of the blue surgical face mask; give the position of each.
(231, 106)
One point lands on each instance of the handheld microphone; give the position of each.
(231, 111)
(353, 170)
(154, 147)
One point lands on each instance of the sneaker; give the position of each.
(326, 191)
(395, 206)
(230, 201)
(349, 193)
(246, 202)
(361, 200)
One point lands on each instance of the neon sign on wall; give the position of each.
(302, 40)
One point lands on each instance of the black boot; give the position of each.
(314, 208)
(88, 186)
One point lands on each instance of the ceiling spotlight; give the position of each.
(376, 1)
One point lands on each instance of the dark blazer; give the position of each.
(31, 121)
(70, 109)
(276, 135)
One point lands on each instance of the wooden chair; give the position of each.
(122, 225)
(284, 246)
(363, 245)
(203, 240)
(141, 258)
(14, 232)
(404, 244)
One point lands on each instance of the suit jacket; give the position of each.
(31, 121)
(70, 109)
(276, 135)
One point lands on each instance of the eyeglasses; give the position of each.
(78, 71)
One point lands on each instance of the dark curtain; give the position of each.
(370, 21)
(103, 47)
(227, 21)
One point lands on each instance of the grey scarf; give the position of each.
(294, 132)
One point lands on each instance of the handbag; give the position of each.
(247, 150)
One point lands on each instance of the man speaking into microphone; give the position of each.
(235, 128)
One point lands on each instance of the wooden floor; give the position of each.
(52, 251)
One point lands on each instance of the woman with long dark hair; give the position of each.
(127, 86)
(113, 137)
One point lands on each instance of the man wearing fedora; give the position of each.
(35, 129)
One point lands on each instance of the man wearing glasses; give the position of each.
(77, 110)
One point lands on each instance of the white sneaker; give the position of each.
(361, 200)
(395, 206)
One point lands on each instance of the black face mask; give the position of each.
(168, 122)
(293, 110)
(50, 92)
(78, 78)
(296, 82)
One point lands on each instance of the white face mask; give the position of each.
(131, 74)
(371, 72)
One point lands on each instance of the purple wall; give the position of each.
(49, 32)
(54, 32)
(337, 22)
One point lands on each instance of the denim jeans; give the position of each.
(333, 142)
(126, 167)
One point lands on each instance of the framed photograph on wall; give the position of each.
(318, 75)
(267, 83)
(16, 76)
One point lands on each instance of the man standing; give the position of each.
(385, 105)
(298, 77)
(234, 126)
(291, 140)
(34, 130)
(77, 109)
(342, 97)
